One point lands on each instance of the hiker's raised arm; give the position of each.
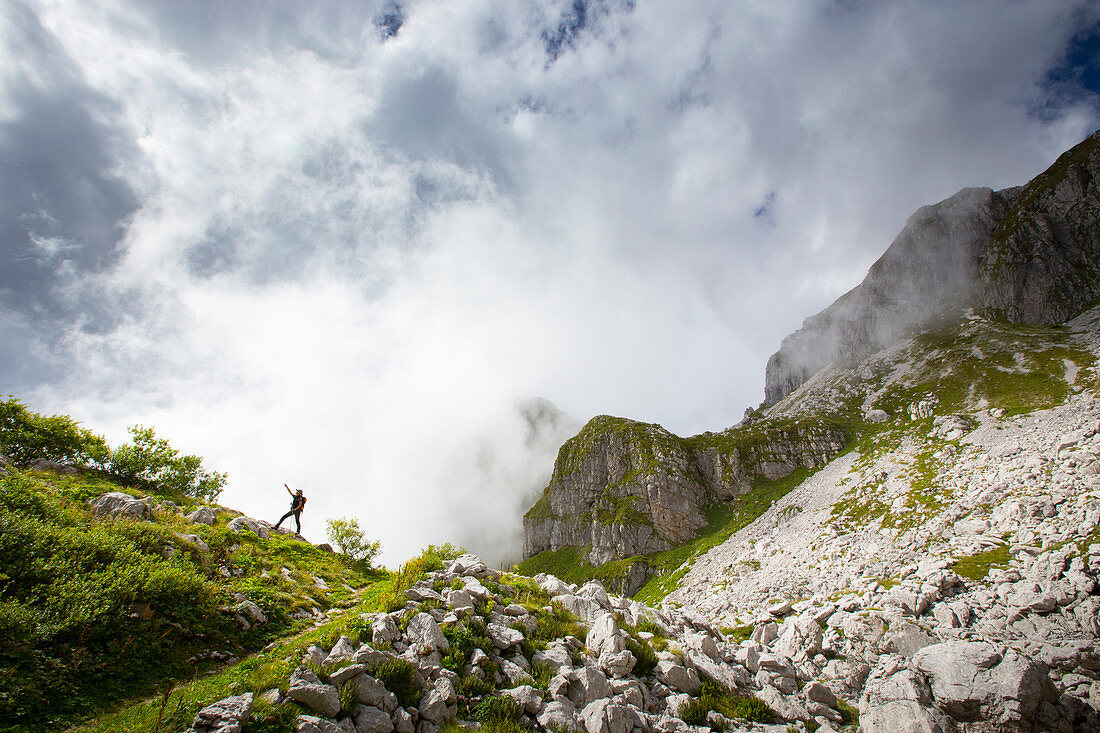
(288, 490)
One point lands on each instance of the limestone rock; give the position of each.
(225, 716)
(118, 504)
(202, 515)
(439, 703)
(372, 720)
(308, 690)
(256, 527)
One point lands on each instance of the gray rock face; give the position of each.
(929, 269)
(309, 691)
(622, 488)
(202, 515)
(1029, 254)
(257, 527)
(1043, 261)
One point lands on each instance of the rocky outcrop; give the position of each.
(1029, 254)
(1042, 264)
(622, 488)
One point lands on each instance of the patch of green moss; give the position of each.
(977, 567)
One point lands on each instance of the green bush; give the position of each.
(148, 459)
(348, 538)
(91, 610)
(647, 658)
(497, 708)
(26, 437)
(399, 677)
(471, 686)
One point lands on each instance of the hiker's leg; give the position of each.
(298, 522)
(283, 517)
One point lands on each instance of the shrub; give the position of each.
(497, 708)
(647, 658)
(349, 696)
(347, 536)
(148, 459)
(26, 436)
(399, 677)
(471, 686)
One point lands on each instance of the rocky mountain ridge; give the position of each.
(1029, 254)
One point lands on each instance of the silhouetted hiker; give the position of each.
(297, 504)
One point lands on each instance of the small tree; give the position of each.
(347, 536)
(150, 459)
(26, 437)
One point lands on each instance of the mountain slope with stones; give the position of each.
(944, 572)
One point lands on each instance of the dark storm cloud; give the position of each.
(64, 202)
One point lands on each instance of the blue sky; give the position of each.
(334, 243)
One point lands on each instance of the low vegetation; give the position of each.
(95, 611)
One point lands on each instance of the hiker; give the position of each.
(297, 503)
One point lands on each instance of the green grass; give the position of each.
(95, 612)
(977, 567)
(715, 697)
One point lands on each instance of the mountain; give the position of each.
(912, 518)
(1029, 255)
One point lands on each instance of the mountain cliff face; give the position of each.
(622, 488)
(1031, 255)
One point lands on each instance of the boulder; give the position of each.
(439, 703)
(307, 689)
(587, 684)
(605, 636)
(618, 664)
(202, 515)
(402, 721)
(313, 724)
(460, 601)
(801, 639)
(383, 630)
(425, 636)
(119, 505)
(370, 691)
(503, 637)
(558, 714)
(341, 651)
(973, 680)
(372, 720)
(527, 697)
(193, 540)
(554, 586)
(467, 564)
(674, 674)
(256, 527)
(585, 609)
(607, 716)
(225, 716)
(897, 699)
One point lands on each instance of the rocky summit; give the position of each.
(1030, 254)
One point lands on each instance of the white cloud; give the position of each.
(352, 257)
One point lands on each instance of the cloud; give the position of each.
(335, 245)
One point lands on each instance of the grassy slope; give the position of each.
(94, 611)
